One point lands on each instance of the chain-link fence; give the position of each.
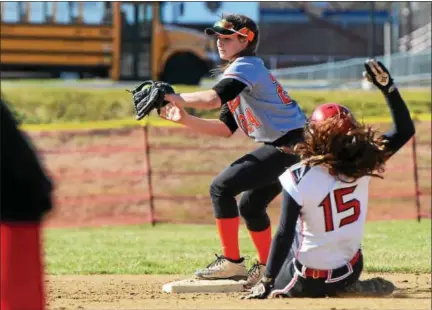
(409, 70)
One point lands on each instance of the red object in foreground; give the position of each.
(21, 268)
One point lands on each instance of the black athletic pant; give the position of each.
(291, 284)
(256, 175)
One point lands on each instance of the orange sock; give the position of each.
(228, 230)
(21, 267)
(262, 242)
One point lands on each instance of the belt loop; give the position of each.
(315, 274)
(303, 271)
(300, 273)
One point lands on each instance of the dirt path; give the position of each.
(145, 292)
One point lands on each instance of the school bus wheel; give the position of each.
(184, 68)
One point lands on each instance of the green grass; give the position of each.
(398, 246)
(49, 104)
(49, 82)
(394, 246)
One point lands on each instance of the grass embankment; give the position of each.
(50, 104)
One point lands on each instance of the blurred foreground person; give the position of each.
(25, 199)
(328, 190)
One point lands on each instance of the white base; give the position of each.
(203, 286)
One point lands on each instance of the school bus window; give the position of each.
(149, 12)
(36, 12)
(145, 13)
(144, 20)
(107, 17)
(74, 12)
(94, 13)
(11, 12)
(141, 13)
(128, 13)
(162, 12)
(22, 9)
(48, 12)
(63, 15)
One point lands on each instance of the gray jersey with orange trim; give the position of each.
(263, 110)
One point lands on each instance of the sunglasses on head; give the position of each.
(244, 32)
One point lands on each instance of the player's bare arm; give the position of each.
(225, 90)
(203, 100)
(177, 114)
(213, 127)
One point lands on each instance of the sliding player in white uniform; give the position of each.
(328, 191)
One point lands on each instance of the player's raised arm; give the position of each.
(403, 126)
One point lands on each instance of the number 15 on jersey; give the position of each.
(340, 205)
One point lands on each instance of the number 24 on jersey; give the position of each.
(248, 121)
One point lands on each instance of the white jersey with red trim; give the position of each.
(332, 215)
(263, 110)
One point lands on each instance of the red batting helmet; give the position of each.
(328, 110)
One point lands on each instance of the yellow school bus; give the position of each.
(121, 40)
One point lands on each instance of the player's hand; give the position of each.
(261, 290)
(173, 112)
(378, 74)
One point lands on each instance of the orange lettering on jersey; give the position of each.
(272, 78)
(233, 104)
(283, 94)
(252, 119)
(249, 122)
(244, 124)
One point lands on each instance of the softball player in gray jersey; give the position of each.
(252, 100)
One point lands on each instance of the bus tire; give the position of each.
(185, 69)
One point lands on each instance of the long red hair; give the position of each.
(334, 139)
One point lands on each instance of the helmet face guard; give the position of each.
(226, 28)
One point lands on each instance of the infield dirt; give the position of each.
(145, 292)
